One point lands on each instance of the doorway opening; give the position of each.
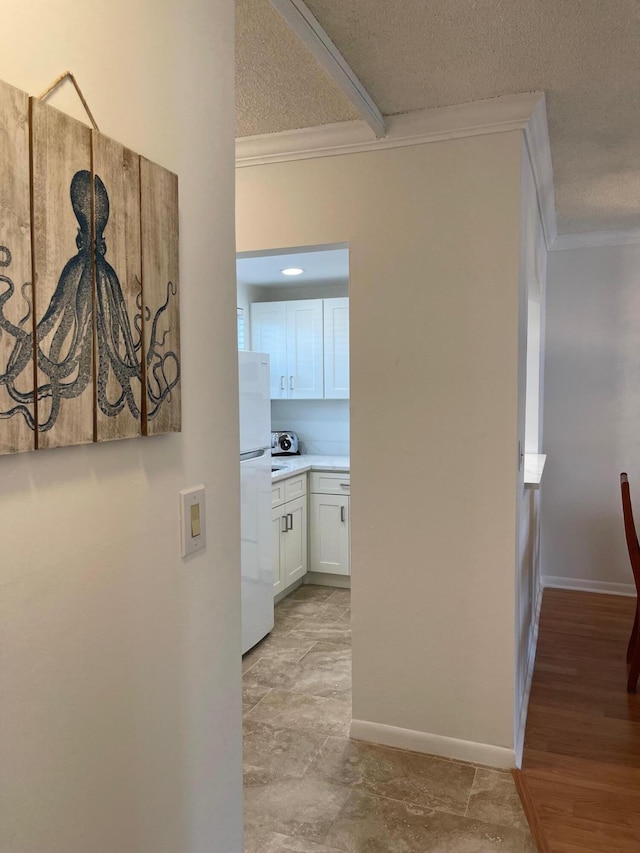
(293, 305)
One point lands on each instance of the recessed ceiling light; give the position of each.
(292, 271)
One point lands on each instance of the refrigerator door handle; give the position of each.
(252, 454)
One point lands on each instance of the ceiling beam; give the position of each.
(307, 28)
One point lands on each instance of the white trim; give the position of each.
(526, 112)
(594, 239)
(497, 115)
(604, 587)
(533, 469)
(531, 661)
(302, 21)
(536, 134)
(432, 744)
(326, 579)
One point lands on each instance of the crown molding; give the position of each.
(595, 239)
(536, 135)
(496, 115)
(525, 112)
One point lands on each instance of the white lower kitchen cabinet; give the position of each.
(294, 564)
(278, 524)
(289, 542)
(329, 540)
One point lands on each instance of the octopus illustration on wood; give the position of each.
(106, 347)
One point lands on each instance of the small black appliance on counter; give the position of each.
(284, 444)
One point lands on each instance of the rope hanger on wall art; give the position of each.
(68, 75)
(91, 352)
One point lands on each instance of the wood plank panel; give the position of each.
(63, 268)
(118, 277)
(16, 299)
(581, 762)
(161, 295)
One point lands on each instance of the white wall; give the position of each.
(433, 234)
(120, 705)
(322, 425)
(592, 413)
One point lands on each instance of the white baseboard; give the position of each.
(432, 744)
(531, 662)
(589, 585)
(285, 592)
(325, 579)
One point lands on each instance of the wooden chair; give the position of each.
(633, 649)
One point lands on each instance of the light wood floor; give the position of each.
(581, 766)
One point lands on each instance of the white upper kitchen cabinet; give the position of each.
(269, 334)
(291, 332)
(336, 348)
(304, 349)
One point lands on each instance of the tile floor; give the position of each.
(309, 789)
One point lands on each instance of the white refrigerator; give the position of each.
(255, 485)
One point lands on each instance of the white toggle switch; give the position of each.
(192, 520)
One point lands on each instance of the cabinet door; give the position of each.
(305, 367)
(294, 541)
(269, 334)
(277, 537)
(336, 348)
(329, 541)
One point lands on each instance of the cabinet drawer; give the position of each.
(289, 489)
(295, 487)
(330, 483)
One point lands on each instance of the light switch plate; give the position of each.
(193, 523)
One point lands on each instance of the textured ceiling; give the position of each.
(279, 84)
(414, 54)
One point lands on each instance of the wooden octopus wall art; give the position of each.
(89, 299)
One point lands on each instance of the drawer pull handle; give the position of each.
(344, 485)
(290, 523)
(284, 527)
(342, 515)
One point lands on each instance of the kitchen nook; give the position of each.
(293, 317)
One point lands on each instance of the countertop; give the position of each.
(533, 466)
(299, 464)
